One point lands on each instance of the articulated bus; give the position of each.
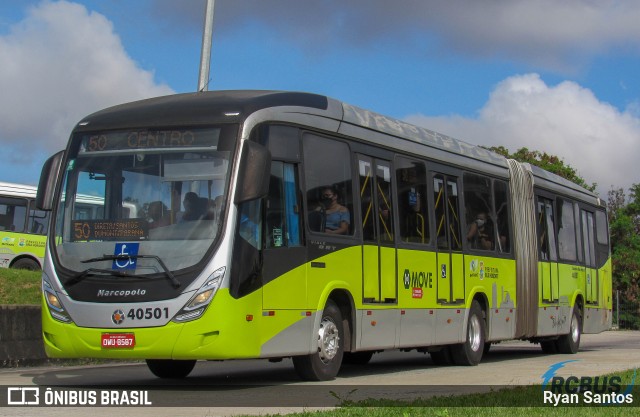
(23, 228)
(291, 225)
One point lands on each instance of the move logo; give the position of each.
(417, 281)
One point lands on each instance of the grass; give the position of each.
(472, 412)
(19, 286)
(514, 402)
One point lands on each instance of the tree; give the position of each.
(547, 162)
(624, 225)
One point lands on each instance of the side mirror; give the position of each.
(255, 169)
(48, 181)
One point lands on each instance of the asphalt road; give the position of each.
(258, 386)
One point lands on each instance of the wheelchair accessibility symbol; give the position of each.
(126, 253)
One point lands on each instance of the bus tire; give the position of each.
(169, 368)
(570, 343)
(26, 263)
(549, 347)
(324, 364)
(470, 352)
(357, 358)
(442, 357)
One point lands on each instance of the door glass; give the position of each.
(366, 198)
(412, 207)
(453, 218)
(385, 217)
(282, 218)
(546, 234)
(439, 198)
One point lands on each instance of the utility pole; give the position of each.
(205, 54)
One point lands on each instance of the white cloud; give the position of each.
(561, 35)
(565, 120)
(59, 64)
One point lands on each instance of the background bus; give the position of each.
(233, 251)
(23, 228)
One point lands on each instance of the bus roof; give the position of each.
(209, 107)
(197, 109)
(17, 190)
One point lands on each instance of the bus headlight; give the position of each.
(201, 300)
(56, 309)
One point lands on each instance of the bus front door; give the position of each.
(378, 251)
(450, 273)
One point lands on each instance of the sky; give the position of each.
(562, 77)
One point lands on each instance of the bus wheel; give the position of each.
(325, 363)
(442, 357)
(26, 263)
(357, 358)
(168, 368)
(470, 352)
(549, 346)
(570, 343)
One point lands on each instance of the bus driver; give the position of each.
(337, 217)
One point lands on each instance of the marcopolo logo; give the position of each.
(586, 390)
(121, 293)
(117, 317)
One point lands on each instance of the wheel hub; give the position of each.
(575, 331)
(328, 340)
(474, 333)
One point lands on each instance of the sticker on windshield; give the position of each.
(126, 253)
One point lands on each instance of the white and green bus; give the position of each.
(23, 228)
(278, 224)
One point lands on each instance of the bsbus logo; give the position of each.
(605, 390)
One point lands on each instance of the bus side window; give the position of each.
(327, 166)
(13, 214)
(38, 221)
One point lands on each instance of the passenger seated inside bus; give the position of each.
(158, 214)
(336, 216)
(480, 233)
(216, 207)
(193, 208)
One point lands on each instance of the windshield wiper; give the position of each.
(93, 271)
(174, 281)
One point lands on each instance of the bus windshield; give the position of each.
(156, 194)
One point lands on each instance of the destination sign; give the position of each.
(126, 229)
(150, 139)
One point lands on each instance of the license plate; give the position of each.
(118, 340)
